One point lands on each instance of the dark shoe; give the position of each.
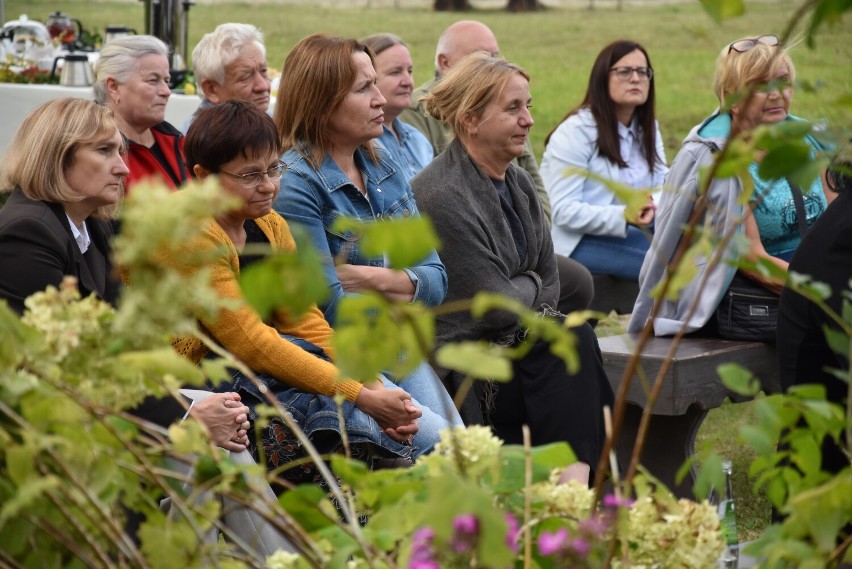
(396, 462)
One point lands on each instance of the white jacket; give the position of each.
(581, 205)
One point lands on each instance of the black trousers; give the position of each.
(576, 285)
(557, 405)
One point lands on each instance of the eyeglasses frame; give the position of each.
(241, 178)
(754, 42)
(647, 74)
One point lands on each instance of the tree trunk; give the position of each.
(451, 5)
(523, 5)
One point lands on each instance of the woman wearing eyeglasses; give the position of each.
(753, 83)
(612, 135)
(293, 357)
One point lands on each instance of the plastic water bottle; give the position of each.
(728, 520)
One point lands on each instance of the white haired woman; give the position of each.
(132, 79)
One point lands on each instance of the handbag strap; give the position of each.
(799, 200)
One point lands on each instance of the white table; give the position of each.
(17, 100)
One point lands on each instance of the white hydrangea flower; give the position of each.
(570, 500)
(685, 538)
(282, 560)
(475, 447)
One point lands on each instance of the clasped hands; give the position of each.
(392, 409)
(225, 419)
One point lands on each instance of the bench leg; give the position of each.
(669, 442)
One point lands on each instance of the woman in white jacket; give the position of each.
(612, 134)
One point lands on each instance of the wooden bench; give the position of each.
(691, 388)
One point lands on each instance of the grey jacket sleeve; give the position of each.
(676, 205)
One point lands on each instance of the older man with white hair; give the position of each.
(458, 41)
(230, 63)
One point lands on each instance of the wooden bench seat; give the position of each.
(691, 388)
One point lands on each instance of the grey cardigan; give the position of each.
(721, 217)
(476, 242)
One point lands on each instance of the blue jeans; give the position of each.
(431, 396)
(617, 256)
(316, 413)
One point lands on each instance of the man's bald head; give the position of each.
(460, 39)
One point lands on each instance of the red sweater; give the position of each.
(164, 162)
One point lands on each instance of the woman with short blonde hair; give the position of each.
(55, 220)
(736, 74)
(754, 83)
(42, 175)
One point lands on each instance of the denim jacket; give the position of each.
(315, 198)
(412, 152)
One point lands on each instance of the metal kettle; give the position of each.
(113, 32)
(76, 72)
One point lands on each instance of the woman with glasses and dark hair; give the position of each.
(754, 85)
(293, 357)
(612, 135)
(329, 110)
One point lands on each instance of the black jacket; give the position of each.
(37, 249)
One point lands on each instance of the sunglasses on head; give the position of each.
(745, 45)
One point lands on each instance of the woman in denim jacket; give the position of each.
(327, 112)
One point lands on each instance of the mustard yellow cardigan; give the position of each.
(254, 342)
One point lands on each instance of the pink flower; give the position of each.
(466, 528)
(512, 532)
(613, 501)
(423, 536)
(421, 550)
(595, 526)
(579, 546)
(551, 542)
(466, 524)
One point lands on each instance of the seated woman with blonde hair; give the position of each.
(495, 238)
(754, 85)
(56, 223)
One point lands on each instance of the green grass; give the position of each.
(556, 46)
(719, 433)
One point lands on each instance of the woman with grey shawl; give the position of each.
(495, 238)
